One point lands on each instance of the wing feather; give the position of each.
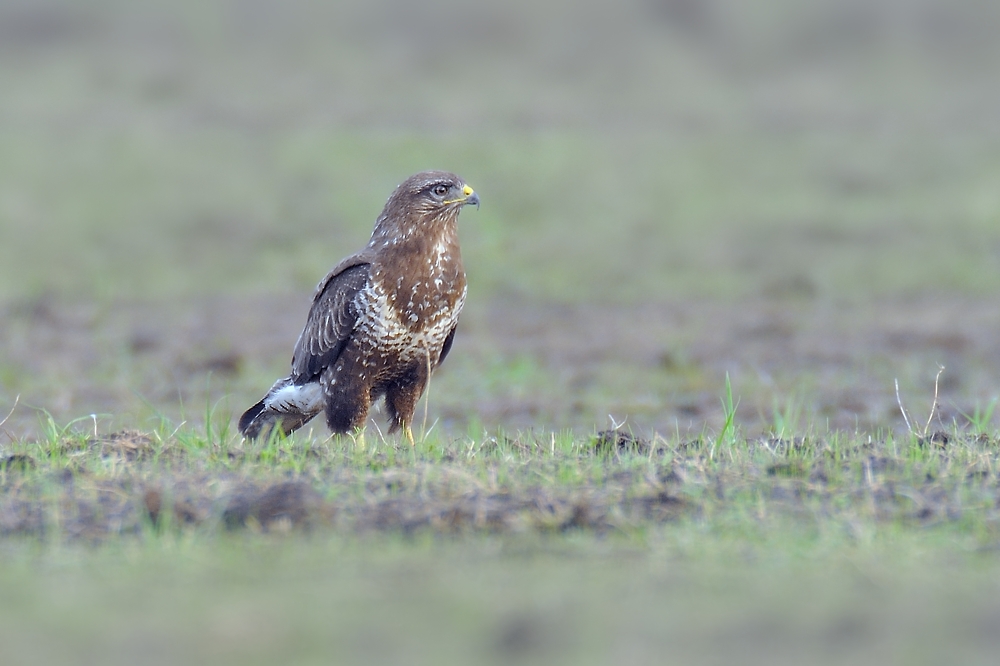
(331, 321)
(447, 345)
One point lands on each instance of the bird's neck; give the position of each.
(420, 235)
(426, 253)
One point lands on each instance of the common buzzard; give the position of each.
(381, 321)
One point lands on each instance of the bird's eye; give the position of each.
(440, 190)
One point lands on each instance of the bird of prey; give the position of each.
(381, 321)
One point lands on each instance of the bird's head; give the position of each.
(431, 194)
(423, 203)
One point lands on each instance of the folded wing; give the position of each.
(331, 321)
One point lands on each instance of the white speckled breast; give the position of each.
(382, 323)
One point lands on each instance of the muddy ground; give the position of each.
(521, 364)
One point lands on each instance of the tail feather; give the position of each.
(286, 405)
(250, 425)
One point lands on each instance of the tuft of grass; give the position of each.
(981, 419)
(786, 418)
(728, 433)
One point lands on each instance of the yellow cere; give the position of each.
(467, 191)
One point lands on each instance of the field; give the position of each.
(723, 389)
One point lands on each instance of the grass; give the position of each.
(498, 546)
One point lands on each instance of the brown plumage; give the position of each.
(381, 321)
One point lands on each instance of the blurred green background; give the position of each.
(639, 149)
(176, 176)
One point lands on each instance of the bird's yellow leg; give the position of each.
(359, 438)
(409, 435)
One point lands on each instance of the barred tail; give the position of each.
(250, 424)
(286, 405)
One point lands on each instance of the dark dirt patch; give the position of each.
(790, 469)
(16, 463)
(182, 511)
(619, 440)
(282, 506)
(127, 444)
(939, 439)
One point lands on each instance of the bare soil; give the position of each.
(522, 364)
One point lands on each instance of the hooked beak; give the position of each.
(470, 198)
